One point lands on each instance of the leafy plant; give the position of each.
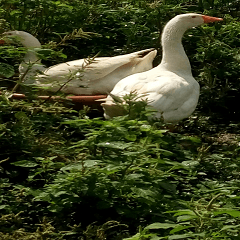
(127, 173)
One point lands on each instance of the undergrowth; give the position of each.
(68, 176)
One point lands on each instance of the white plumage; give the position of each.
(98, 76)
(170, 87)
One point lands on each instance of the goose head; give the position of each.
(31, 62)
(190, 20)
(26, 39)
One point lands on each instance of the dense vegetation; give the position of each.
(70, 174)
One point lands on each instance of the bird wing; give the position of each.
(91, 70)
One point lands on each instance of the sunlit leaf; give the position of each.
(228, 227)
(114, 145)
(25, 163)
(186, 236)
(161, 226)
(233, 213)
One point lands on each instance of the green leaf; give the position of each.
(186, 236)
(14, 12)
(134, 176)
(168, 186)
(166, 152)
(192, 139)
(161, 226)
(135, 237)
(25, 163)
(110, 169)
(144, 193)
(115, 145)
(61, 193)
(233, 213)
(78, 166)
(145, 128)
(184, 212)
(74, 166)
(131, 137)
(179, 228)
(185, 218)
(230, 227)
(20, 115)
(6, 70)
(3, 206)
(190, 163)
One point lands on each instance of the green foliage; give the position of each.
(65, 175)
(124, 173)
(218, 72)
(203, 220)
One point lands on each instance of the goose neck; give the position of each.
(174, 57)
(31, 57)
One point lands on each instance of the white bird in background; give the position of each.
(170, 87)
(97, 76)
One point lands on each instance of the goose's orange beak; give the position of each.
(208, 19)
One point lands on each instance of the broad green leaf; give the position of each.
(168, 186)
(90, 163)
(6, 70)
(110, 169)
(190, 163)
(128, 153)
(20, 115)
(166, 152)
(3, 206)
(145, 128)
(233, 213)
(14, 12)
(115, 145)
(25, 163)
(184, 218)
(131, 137)
(192, 139)
(79, 165)
(134, 176)
(135, 237)
(144, 193)
(179, 228)
(74, 166)
(230, 227)
(154, 237)
(186, 236)
(184, 212)
(181, 236)
(62, 193)
(42, 196)
(161, 226)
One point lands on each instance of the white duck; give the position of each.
(170, 87)
(98, 77)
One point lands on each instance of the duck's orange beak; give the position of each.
(208, 19)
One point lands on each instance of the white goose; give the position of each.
(98, 77)
(170, 87)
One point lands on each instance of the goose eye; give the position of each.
(193, 16)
